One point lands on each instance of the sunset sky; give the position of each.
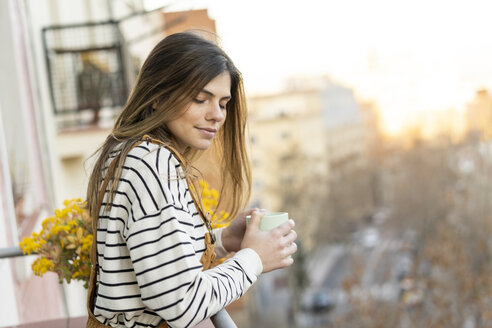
(410, 57)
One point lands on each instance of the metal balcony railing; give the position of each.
(10, 252)
(88, 66)
(86, 73)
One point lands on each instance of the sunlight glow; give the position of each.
(410, 57)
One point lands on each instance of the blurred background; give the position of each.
(370, 122)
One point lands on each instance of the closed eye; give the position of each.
(212, 95)
(224, 102)
(201, 101)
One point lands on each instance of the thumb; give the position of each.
(250, 211)
(254, 222)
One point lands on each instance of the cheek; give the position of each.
(225, 117)
(223, 123)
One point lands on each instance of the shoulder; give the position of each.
(155, 157)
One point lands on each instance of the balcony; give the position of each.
(86, 72)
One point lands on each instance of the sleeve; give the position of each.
(168, 272)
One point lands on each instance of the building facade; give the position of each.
(305, 140)
(67, 67)
(479, 114)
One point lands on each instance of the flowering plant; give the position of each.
(63, 244)
(210, 200)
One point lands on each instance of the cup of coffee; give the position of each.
(271, 220)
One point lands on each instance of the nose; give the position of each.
(216, 113)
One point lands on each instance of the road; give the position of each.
(374, 268)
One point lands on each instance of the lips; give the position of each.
(208, 132)
(211, 130)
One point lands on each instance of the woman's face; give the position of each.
(204, 116)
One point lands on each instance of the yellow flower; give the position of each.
(77, 208)
(63, 245)
(26, 245)
(55, 229)
(210, 200)
(87, 243)
(47, 221)
(41, 266)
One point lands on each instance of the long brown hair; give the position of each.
(173, 74)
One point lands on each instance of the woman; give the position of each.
(153, 240)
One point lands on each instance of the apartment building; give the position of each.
(301, 140)
(479, 114)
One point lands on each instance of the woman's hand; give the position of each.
(232, 236)
(275, 246)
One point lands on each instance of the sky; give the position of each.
(410, 57)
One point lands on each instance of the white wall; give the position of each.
(18, 106)
(8, 308)
(23, 149)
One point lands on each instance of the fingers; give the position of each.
(288, 261)
(285, 228)
(290, 249)
(288, 244)
(275, 247)
(284, 258)
(247, 212)
(289, 238)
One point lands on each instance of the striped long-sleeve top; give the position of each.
(149, 247)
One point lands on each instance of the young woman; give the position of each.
(151, 260)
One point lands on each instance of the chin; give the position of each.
(202, 146)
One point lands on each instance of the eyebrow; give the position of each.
(212, 94)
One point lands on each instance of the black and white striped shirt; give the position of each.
(149, 248)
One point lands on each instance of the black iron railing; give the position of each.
(86, 73)
(88, 67)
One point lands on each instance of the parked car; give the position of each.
(321, 302)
